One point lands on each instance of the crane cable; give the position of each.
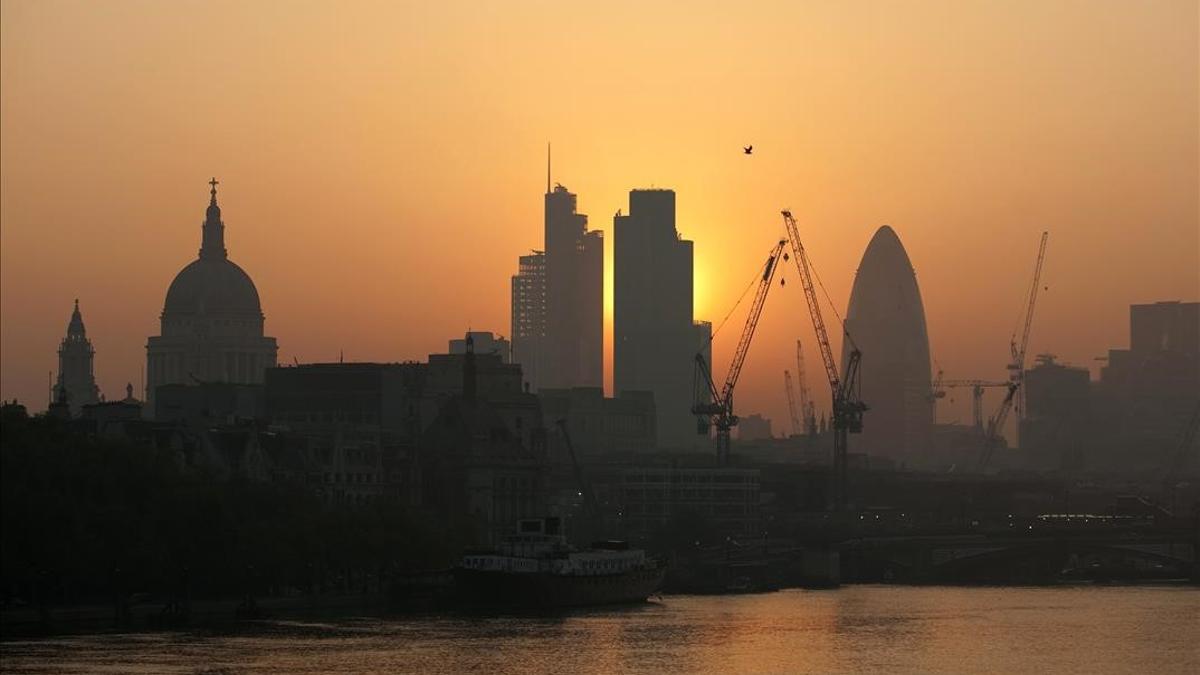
(757, 278)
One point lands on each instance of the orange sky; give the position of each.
(382, 166)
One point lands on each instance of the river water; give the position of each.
(856, 629)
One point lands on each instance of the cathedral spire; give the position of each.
(75, 327)
(212, 246)
(76, 385)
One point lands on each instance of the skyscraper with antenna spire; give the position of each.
(558, 298)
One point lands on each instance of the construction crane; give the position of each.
(1016, 368)
(591, 510)
(807, 408)
(977, 387)
(713, 407)
(936, 392)
(797, 426)
(848, 408)
(1179, 462)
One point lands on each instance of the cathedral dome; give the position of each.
(212, 286)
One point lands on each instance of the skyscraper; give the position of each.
(574, 296)
(886, 319)
(558, 300)
(76, 378)
(212, 321)
(529, 316)
(654, 338)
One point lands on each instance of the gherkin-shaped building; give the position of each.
(886, 319)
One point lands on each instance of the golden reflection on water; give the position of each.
(851, 630)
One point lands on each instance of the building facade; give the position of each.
(754, 428)
(76, 383)
(360, 421)
(1057, 413)
(1148, 392)
(727, 499)
(599, 425)
(212, 320)
(485, 343)
(655, 340)
(363, 424)
(529, 316)
(558, 300)
(574, 295)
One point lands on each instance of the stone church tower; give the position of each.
(75, 376)
(212, 323)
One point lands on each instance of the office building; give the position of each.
(886, 320)
(655, 339)
(529, 316)
(558, 300)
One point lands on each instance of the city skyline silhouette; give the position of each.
(531, 336)
(381, 212)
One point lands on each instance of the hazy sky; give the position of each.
(382, 165)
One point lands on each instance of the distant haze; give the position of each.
(382, 164)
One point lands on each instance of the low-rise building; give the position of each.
(600, 425)
(727, 498)
(754, 427)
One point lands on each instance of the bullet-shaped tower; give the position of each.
(886, 319)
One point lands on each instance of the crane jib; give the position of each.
(770, 268)
(814, 309)
(718, 409)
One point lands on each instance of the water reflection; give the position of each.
(855, 629)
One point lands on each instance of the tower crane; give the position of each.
(591, 510)
(713, 407)
(1016, 368)
(936, 392)
(848, 408)
(977, 387)
(1180, 458)
(807, 408)
(797, 427)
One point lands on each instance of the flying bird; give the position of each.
(749, 149)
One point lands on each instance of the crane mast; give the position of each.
(991, 436)
(847, 407)
(977, 387)
(717, 410)
(793, 412)
(936, 392)
(1180, 458)
(591, 509)
(807, 408)
(1016, 368)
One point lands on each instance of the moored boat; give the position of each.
(536, 567)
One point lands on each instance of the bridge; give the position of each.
(1025, 554)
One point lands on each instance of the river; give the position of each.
(855, 629)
